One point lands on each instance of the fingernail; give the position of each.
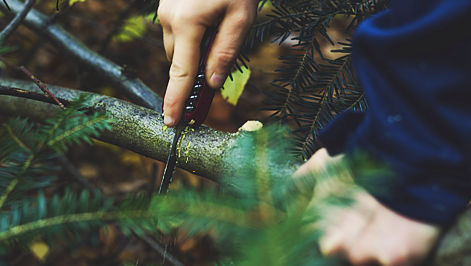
(168, 121)
(217, 80)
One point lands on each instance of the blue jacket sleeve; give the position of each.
(414, 63)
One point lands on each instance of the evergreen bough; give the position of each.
(28, 165)
(311, 88)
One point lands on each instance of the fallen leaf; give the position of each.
(39, 250)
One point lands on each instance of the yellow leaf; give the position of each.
(61, 3)
(233, 89)
(39, 250)
(133, 28)
(71, 2)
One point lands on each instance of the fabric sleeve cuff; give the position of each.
(335, 136)
(430, 203)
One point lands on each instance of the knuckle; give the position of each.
(163, 14)
(170, 102)
(226, 57)
(331, 244)
(176, 18)
(182, 19)
(178, 72)
(358, 258)
(243, 19)
(396, 259)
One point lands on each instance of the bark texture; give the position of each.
(134, 127)
(142, 130)
(201, 151)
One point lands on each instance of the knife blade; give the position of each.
(196, 108)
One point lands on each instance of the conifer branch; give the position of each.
(17, 140)
(7, 192)
(71, 218)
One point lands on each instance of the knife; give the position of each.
(196, 108)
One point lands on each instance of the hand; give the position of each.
(184, 23)
(368, 232)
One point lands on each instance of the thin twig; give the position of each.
(41, 85)
(16, 20)
(31, 95)
(6, 4)
(134, 88)
(155, 246)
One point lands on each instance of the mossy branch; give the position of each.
(142, 130)
(136, 128)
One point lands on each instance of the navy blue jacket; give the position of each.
(414, 63)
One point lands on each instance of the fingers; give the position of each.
(227, 44)
(368, 232)
(316, 163)
(342, 235)
(184, 23)
(183, 70)
(168, 45)
(167, 31)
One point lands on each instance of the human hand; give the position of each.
(368, 232)
(184, 23)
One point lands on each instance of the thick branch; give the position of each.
(16, 21)
(142, 130)
(135, 89)
(136, 128)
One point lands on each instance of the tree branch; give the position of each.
(134, 88)
(142, 130)
(16, 21)
(135, 128)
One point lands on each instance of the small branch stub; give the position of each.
(251, 125)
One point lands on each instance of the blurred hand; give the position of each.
(368, 232)
(184, 23)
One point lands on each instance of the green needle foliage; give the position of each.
(28, 149)
(265, 217)
(311, 88)
(27, 165)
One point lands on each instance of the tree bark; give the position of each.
(135, 128)
(142, 130)
(202, 151)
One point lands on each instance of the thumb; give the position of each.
(226, 47)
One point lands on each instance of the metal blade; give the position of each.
(171, 161)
